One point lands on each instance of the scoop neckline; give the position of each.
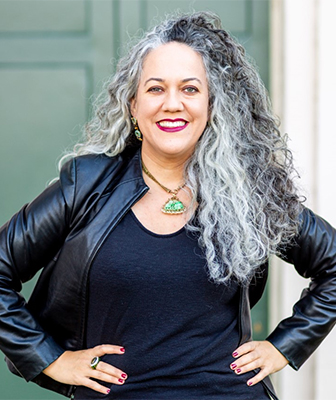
(159, 235)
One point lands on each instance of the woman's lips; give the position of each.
(172, 125)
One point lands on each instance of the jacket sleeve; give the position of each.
(28, 242)
(314, 315)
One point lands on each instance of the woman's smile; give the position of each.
(170, 125)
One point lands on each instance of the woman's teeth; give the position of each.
(171, 124)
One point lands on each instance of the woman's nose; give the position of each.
(173, 102)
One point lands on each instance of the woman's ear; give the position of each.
(133, 107)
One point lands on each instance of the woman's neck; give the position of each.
(168, 171)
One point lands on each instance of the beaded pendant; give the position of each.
(173, 206)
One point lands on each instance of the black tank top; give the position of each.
(151, 294)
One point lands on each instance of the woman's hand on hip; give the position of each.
(73, 368)
(257, 355)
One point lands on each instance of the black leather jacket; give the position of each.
(61, 231)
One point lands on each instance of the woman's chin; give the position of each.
(171, 150)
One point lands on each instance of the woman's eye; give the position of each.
(190, 89)
(155, 89)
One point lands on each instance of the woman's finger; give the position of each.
(243, 360)
(258, 377)
(110, 370)
(247, 367)
(102, 376)
(102, 349)
(95, 386)
(244, 349)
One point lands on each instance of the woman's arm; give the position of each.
(314, 315)
(28, 242)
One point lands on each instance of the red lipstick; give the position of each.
(172, 125)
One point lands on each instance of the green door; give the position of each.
(54, 55)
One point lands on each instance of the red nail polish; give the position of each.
(250, 383)
(122, 350)
(235, 354)
(233, 366)
(120, 380)
(238, 371)
(108, 391)
(124, 376)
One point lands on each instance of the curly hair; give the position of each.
(241, 173)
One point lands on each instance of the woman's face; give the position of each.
(171, 104)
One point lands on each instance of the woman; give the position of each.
(154, 241)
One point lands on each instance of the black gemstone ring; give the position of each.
(94, 362)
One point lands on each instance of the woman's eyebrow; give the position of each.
(191, 79)
(183, 80)
(154, 79)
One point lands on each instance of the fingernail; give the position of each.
(124, 376)
(250, 383)
(108, 391)
(235, 354)
(122, 350)
(121, 380)
(233, 366)
(238, 371)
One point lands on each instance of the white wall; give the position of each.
(326, 169)
(303, 46)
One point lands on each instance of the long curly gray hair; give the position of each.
(241, 173)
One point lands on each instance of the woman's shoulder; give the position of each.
(90, 163)
(95, 167)
(97, 173)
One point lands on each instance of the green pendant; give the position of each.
(173, 206)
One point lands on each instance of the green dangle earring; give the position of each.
(137, 132)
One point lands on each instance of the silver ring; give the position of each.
(94, 362)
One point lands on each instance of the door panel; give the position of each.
(23, 16)
(233, 13)
(51, 101)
